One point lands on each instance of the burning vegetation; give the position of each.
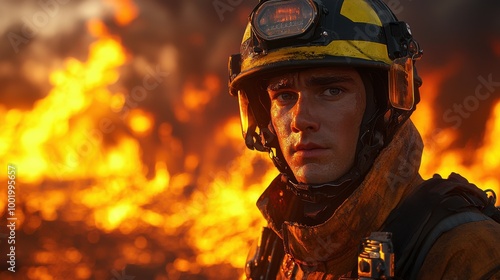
(130, 162)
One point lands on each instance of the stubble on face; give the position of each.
(317, 114)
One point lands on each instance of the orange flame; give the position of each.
(65, 139)
(196, 97)
(226, 214)
(482, 165)
(67, 112)
(81, 161)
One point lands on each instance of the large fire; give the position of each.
(96, 194)
(479, 165)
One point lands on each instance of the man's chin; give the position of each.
(314, 176)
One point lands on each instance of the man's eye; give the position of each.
(284, 96)
(332, 91)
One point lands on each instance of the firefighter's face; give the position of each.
(317, 114)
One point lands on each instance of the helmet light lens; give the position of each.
(277, 19)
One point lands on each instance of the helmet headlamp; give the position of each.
(277, 19)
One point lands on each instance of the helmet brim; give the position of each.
(266, 71)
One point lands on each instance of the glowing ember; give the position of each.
(140, 122)
(126, 11)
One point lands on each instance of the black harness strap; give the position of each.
(444, 226)
(437, 206)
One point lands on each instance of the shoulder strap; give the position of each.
(437, 205)
(445, 225)
(265, 258)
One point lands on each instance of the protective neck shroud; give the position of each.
(332, 245)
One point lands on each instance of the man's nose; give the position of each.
(303, 117)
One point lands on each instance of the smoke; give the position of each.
(464, 32)
(36, 37)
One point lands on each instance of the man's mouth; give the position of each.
(309, 149)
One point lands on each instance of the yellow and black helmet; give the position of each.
(287, 35)
(291, 33)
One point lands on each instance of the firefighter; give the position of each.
(326, 88)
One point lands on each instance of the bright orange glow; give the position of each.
(117, 101)
(228, 200)
(191, 162)
(182, 265)
(97, 28)
(480, 166)
(286, 14)
(424, 116)
(140, 122)
(73, 255)
(82, 271)
(39, 273)
(38, 131)
(196, 96)
(126, 11)
(117, 214)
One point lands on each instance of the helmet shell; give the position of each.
(346, 32)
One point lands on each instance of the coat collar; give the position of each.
(334, 243)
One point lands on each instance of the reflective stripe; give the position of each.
(360, 11)
(341, 48)
(248, 33)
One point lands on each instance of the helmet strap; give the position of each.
(370, 143)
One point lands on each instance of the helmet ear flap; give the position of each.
(417, 80)
(401, 85)
(404, 51)
(248, 123)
